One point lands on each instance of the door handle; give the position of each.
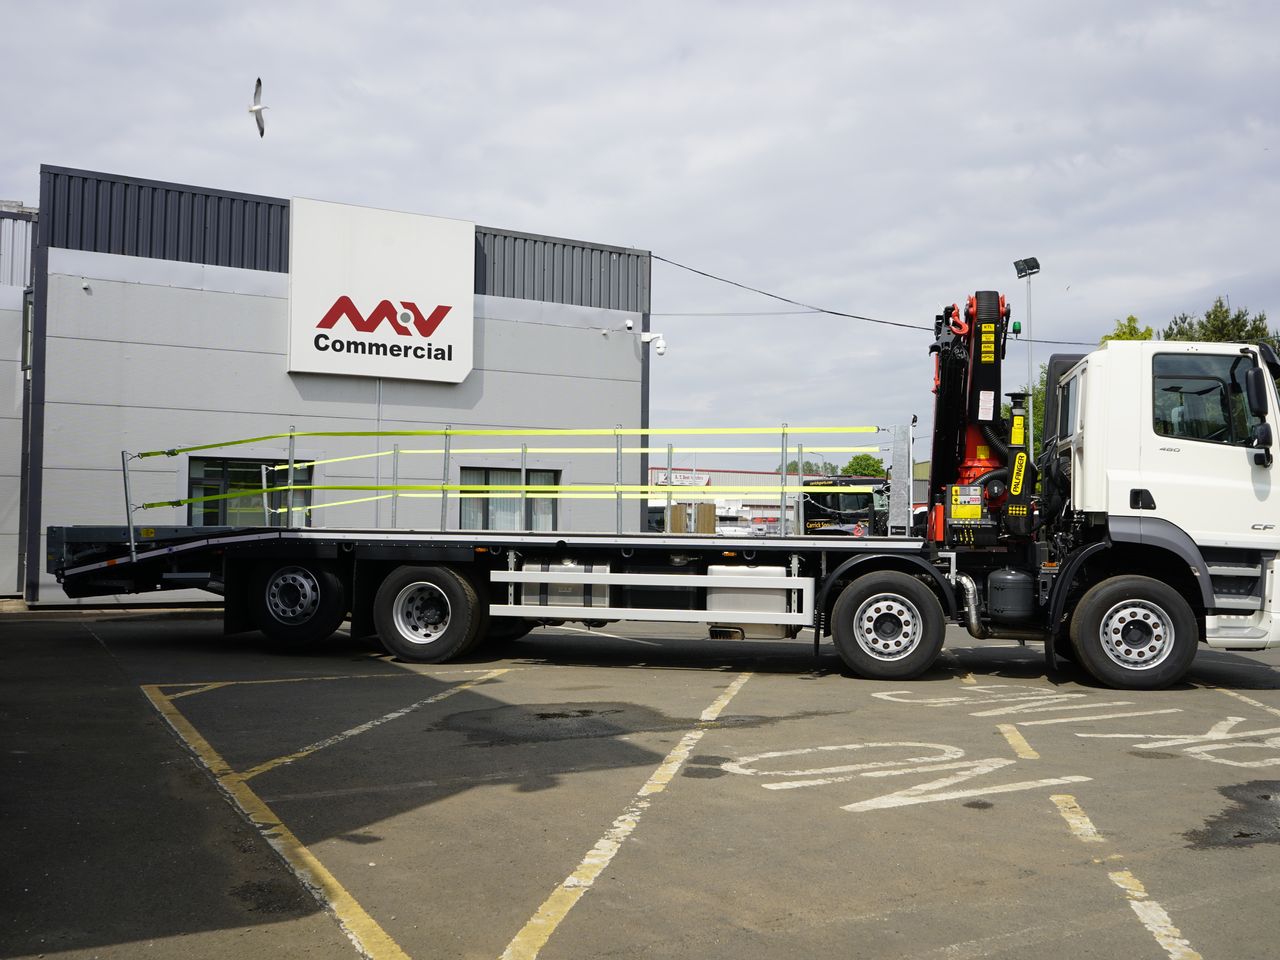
(1141, 500)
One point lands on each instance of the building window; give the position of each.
(211, 477)
(492, 512)
(1201, 397)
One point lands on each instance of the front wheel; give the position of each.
(426, 614)
(888, 626)
(1134, 633)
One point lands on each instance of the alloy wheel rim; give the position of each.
(888, 626)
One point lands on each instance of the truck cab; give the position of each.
(1166, 447)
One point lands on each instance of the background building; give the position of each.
(736, 512)
(163, 316)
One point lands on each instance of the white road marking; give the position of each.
(926, 792)
(1099, 716)
(1154, 917)
(1249, 700)
(1204, 751)
(365, 727)
(985, 693)
(526, 944)
(1050, 705)
(742, 766)
(1220, 731)
(611, 636)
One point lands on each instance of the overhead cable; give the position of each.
(810, 308)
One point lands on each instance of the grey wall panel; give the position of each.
(555, 314)
(91, 436)
(10, 446)
(171, 381)
(528, 399)
(86, 265)
(111, 311)
(10, 545)
(107, 213)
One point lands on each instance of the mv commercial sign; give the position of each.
(375, 293)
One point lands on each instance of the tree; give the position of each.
(823, 468)
(1128, 329)
(1221, 324)
(863, 465)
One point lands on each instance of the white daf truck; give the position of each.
(1151, 528)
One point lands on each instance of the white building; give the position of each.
(155, 316)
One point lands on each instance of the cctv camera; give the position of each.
(660, 347)
(631, 324)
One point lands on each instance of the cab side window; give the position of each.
(1201, 397)
(1068, 404)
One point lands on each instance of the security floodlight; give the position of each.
(1026, 268)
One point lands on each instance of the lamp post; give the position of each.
(1026, 269)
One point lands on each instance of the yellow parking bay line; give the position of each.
(1016, 740)
(1077, 820)
(363, 931)
(1152, 915)
(534, 935)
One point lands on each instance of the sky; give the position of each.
(880, 159)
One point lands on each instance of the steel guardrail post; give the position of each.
(525, 523)
(395, 482)
(666, 520)
(782, 471)
(128, 506)
(799, 485)
(617, 476)
(266, 499)
(289, 493)
(444, 479)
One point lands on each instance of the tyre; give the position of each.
(298, 604)
(888, 626)
(504, 629)
(1134, 633)
(1063, 648)
(426, 614)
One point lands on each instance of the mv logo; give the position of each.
(344, 307)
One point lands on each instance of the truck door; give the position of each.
(1197, 456)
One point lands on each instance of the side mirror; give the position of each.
(1262, 438)
(1255, 389)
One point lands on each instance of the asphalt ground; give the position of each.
(637, 791)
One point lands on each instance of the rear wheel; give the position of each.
(504, 629)
(888, 626)
(297, 605)
(1134, 633)
(426, 614)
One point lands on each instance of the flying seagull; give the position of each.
(257, 107)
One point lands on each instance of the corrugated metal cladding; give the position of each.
(15, 250)
(105, 213)
(561, 271)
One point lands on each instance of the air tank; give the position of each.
(1010, 596)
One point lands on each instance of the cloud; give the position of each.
(874, 158)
